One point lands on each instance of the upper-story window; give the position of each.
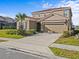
(66, 12)
(41, 15)
(37, 15)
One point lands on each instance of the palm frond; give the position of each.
(20, 16)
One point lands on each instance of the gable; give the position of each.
(55, 17)
(59, 12)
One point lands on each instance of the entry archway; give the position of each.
(38, 27)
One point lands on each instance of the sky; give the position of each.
(12, 7)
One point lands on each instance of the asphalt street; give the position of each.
(6, 53)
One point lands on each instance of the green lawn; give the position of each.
(69, 41)
(65, 53)
(3, 33)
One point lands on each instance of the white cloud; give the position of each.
(75, 9)
(47, 5)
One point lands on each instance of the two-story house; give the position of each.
(50, 20)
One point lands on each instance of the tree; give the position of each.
(21, 17)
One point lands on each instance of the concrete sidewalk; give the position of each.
(63, 46)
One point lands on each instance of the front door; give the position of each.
(38, 27)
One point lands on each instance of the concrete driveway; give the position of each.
(42, 39)
(37, 44)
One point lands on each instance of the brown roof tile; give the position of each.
(32, 17)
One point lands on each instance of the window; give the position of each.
(41, 15)
(66, 11)
(37, 15)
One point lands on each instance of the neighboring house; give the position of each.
(50, 20)
(6, 22)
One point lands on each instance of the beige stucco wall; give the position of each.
(32, 25)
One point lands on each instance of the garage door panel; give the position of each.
(55, 28)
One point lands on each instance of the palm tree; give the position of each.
(21, 17)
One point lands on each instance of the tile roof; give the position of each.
(32, 17)
(53, 9)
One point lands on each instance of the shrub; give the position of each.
(66, 34)
(76, 31)
(31, 31)
(21, 32)
(9, 27)
(72, 32)
(11, 32)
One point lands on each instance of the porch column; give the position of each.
(28, 25)
(24, 25)
(42, 29)
(18, 25)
